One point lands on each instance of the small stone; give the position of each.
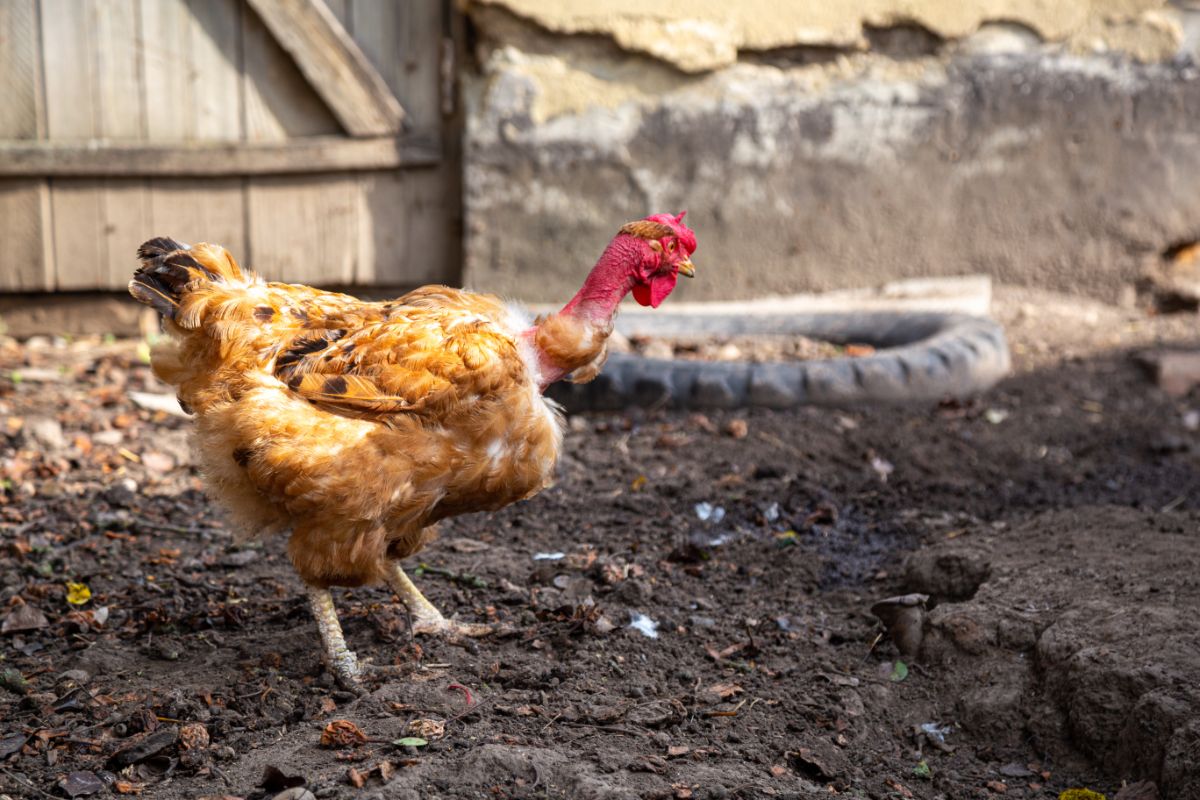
(158, 462)
(240, 558)
(657, 348)
(110, 438)
(1175, 371)
(46, 432)
(295, 793)
(737, 428)
(81, 784)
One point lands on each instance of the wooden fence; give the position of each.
(315, 139)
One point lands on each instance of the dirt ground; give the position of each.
(1054, 522)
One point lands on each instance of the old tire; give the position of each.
(922, 357)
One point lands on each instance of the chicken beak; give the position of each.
(687, 269)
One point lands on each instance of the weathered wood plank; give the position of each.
(25, 264)
(20, 65)
(126, 214)
(77, 208)
(199, 210)
(333, 64)
(305, 229)
(321, 154)
(120, 102)
(121, 116)
(280, 103)
(216, 61)
(80, 257)
(404, 42)
(166, 69)
(414, 236)
(68, 50)
(192, 65)
(25, 261)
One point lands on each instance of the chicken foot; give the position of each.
(341, 658)
(426, 619)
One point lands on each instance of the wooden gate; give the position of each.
(313, 138)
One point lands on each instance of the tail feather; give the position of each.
(171, 269)
(160, 246)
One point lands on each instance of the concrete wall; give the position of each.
(820, 145)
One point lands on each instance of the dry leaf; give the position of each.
(431, 729)
(24, 618)
(342, 733)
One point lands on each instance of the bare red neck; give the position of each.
(607, 284)
(576, 335)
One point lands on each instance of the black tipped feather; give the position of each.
(159, 246)
(166, 270)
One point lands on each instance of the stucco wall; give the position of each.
(700, 35)
(819, 145)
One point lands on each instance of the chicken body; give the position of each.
(358, 425)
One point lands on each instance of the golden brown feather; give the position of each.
(301, 395)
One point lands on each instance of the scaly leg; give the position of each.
(341, 658)
(425, 617)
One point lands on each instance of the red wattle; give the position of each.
(641, 293)
(652, 294)
(661, 286)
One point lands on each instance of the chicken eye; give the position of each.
(671, 246)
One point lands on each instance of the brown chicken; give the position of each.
(358, 425)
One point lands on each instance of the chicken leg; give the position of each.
(341, 658)
(426, 619)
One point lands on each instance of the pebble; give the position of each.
(295, 793)
(729, 352)
(158, 462)
(658, 349)
(240, 558)
(47, 432)
(110, 438)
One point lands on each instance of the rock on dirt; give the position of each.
(45, 432)
(946, 575)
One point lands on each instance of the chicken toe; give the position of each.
(426, 619)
